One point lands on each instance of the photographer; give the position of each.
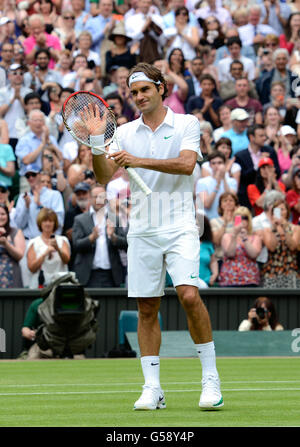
(51, 164)
(261, 317)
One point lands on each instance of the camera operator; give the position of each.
(52, 165)
(261, 317)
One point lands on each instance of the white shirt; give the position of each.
(15, 110)
(259, 223)
(114, 187)
(101, 258)
(208, 184)
(170, 206)
(248, 32)
(224, 68)
(135, 23)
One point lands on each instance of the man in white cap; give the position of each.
(164, 147)
(238, 133)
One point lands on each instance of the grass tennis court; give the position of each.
(261, 392)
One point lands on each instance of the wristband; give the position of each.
(96, 141)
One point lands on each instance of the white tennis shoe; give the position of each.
(211, 397)
(151, 399)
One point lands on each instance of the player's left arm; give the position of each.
(182, 165)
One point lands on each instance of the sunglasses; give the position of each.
(245, 218)
(69, 18)
(2, 190)
(15, 73)
(30, 174)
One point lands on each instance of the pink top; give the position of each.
(174, 103)
(284, 161)
(51, 42)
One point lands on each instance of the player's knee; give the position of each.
(189, 298)
(148, 309)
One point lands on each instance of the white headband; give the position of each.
(140, 76)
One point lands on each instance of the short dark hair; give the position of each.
(114, 95)
(216, 154)
(226, 141)
(236, 61)
(32, 95)
(234, 39)
(252, 129)
(207, 77)
(43, 50)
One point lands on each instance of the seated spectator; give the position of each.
(241, 248)
(40, 38)
(293, 196)
(243, 101)
(64, 30)
(214, 9)
(52, 166)
(120, 106)
(120, 54)
(228, 202)
(208, 263)
(273, 123)
(237, 134)
(193, 79)
(227, 88)
(64, 65)
(7, 164)
(47, 252)
(280, 72)
(210, 188)
(246, 50)
(224, 117)
(255, 32)
(276, 15)
(176, 62)
(234, 46)
(12, 249)
(97, 261)
(213, 34)
(47, 10)
(277, 99)
(265, 181)
(282, 241)
(233, 169)
(123, 91)
(207, 101)
(287, 39)
(84, 44)
(183, 35)
(261, 317)
(83, 161)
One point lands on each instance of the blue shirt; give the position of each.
(26, 144)
(6, 154)
(206, 252)
(239, 141)
(25, 218)
(96, 25)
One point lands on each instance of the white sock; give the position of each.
(207, 355)
(150, 367)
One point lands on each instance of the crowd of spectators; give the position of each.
(233, 64)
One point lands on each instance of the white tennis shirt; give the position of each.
(170, 206)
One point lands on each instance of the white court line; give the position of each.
(136, 391)
(137, 383)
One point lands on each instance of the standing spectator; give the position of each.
(233, 169)
(241, 248)
(282, 241)
(30, 147)
(249, 158)
(234, 46)
(39, 39)
(238, 132)
(265, 181)
(97, 261)
(207, 102)
(276, 14)
(242, 100)
(228, 202)
(47, 252)
(12, 249)
(146, 28)
(210, 188)
(293, 196)
(12, 101)
(261, 317)
(183, 35)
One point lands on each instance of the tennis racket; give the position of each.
(99, 128)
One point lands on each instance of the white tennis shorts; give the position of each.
(149, 257)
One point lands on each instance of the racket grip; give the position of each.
(138, 180)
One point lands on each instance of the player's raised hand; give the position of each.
(92, 120)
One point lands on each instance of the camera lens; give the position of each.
(261, 312)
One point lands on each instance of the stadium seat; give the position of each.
(128, 320)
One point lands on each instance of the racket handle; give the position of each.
(138, 180)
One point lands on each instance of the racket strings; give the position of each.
(72, 114)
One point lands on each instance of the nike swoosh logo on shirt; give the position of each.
(166, 138)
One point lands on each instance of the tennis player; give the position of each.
(163, 147)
